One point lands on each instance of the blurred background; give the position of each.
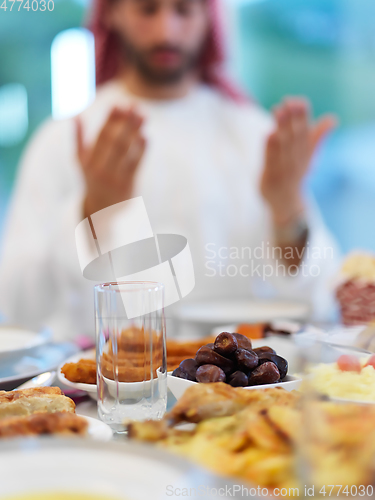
(323, 49)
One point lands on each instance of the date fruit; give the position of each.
(243, 342)
(246, 360)
(181, 374)
(206, 356)
(189, 366)
(267, 373)
(238, 379)
(265, 348)
(281, 363)
(207, 374)
(225, 344)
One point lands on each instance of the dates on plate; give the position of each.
(189, 366)
(265, 348)
(281, 363)
(246, 360)
(243, 342)
(267, 373)
(231, 359)
(225, 344)
(181, 374)
(207, 374)
(206, 356)
(238, 379)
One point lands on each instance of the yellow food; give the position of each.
(254, 437)
(359, 265)
(330, 380)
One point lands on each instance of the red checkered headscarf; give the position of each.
(108, 54)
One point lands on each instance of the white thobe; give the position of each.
(199, 178)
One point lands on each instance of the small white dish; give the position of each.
(135, 389)
(178, 386)
(98, 430)
(89, 388)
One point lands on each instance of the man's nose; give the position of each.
(167, 28)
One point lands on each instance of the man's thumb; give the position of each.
(322, 127)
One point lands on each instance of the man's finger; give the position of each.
(126, 135)
(272, 152)
(133, 157)
(79, 138)
(322, 127)
(112, 138)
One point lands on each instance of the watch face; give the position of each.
(293, 232)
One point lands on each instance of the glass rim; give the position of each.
(110, 286)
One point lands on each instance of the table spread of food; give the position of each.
(235, 415)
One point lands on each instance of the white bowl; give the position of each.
(135, 389)
(178, 386)
(16, 342)
(89, 388)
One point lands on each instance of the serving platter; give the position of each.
(98, 430)
(104, 471)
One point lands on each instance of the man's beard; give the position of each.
(141, 60)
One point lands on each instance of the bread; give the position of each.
(28, 401)
(43, 423)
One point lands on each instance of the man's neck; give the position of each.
(138, 86)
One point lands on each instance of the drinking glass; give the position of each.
(130, 352)
(336, 442)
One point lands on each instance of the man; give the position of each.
(210, 165)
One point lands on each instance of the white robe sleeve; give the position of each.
(39, 270)
(312, 281)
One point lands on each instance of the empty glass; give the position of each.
(131, 352)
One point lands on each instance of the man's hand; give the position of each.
(288, 154)
(109, 166)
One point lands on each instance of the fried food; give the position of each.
(239, 432)
(43, 423)
(38, 400)
(84, 371)
(252, 435)
(202, 401)
(252, 331)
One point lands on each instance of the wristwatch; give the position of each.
(292, 232)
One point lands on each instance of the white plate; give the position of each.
(137, 388)
(178, 386)
(243, 311)
(44, 358)
(118, 471)
(97, 429)
(16, 342)
(89, 388)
